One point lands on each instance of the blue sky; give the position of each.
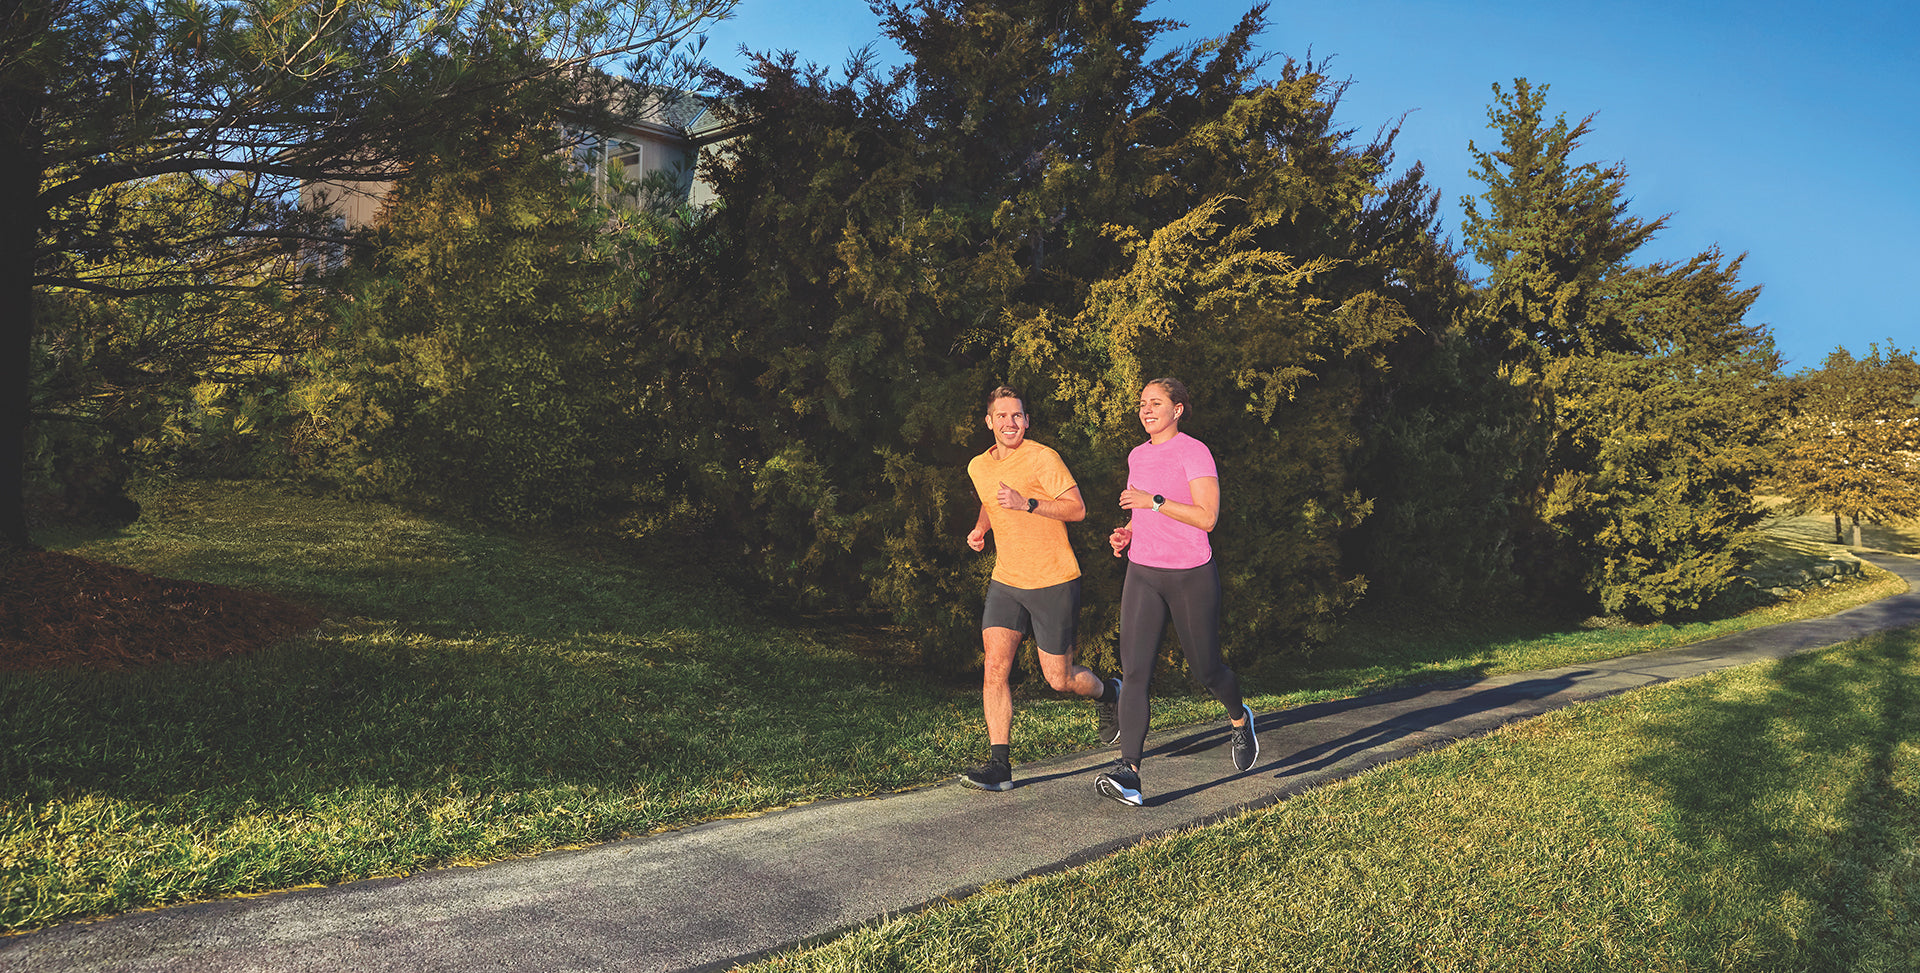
(1785, 131)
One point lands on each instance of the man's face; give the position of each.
(1007, 417)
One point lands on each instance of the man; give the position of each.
(1027, 498)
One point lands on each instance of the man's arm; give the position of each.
(978, 538)
(1066, 508)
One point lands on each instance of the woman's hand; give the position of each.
(1135, 499)
(1119, 539)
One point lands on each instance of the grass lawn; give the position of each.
(474, 697)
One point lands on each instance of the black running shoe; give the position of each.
(1108, 706)
(1246, 743)
(1120, 782)
(989, 776)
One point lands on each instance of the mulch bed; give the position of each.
(59, 611)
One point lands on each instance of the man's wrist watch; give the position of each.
(1157, 501)
(1033, 503)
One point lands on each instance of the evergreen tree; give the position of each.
(1035, 199)
(157, 376)
(1646, 382)
(1554, 237)
(1449, 447)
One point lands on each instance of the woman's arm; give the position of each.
(1203, 512)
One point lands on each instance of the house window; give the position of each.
(621, 167)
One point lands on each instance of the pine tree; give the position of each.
(1646, 383)
(471, 366)
(1554, 235)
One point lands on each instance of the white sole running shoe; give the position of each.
(989, 776)
(1121, 783)
(1246, 743)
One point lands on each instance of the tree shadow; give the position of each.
(1725, 765)
(1813, 533)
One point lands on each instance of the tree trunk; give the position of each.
(20, 98)
(1838, 538)
(1856, 532)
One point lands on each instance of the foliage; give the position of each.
(1852, 438)
(238, 104)
(892, 248)
(1448, 446)
(1663, 513)
(161, 376)
(1452, 449)
(1555, 236)
(1647, 383)
(472, 368)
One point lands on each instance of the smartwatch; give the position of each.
(1157, 501)
(1033, 503)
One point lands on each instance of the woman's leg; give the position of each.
(1193, 595)
(1143, 619)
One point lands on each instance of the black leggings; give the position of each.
(1192, 597)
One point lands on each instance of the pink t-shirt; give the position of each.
(1168, 469)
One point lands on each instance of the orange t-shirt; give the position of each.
(1031, 551)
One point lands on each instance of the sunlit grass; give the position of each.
(1764, 818)
(473, 696)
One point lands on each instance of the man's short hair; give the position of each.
(1005, 392)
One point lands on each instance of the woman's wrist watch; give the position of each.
(1157, 501)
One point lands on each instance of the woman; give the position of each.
(1173, 490)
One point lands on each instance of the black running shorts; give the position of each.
(1049, 614)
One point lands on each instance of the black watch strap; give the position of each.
(1033, 503)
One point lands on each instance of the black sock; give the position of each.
(1001, 753)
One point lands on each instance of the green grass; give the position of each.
(1765, 818)
(474, 697)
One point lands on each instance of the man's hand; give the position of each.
(1011, 499)
(977, 539)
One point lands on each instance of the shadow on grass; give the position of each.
(1815, 533)
(1730, 765)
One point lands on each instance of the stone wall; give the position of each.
(1785, 581)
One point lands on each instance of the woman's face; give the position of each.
(1158, 415)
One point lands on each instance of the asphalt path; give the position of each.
(711, 896)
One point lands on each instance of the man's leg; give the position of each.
(1055, 613)
(996, 691)
(1065, 677)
